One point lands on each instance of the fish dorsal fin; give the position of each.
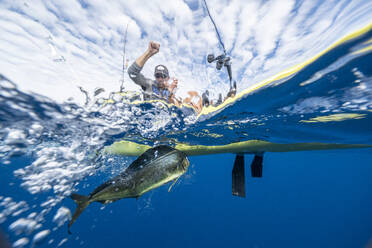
(149, 156)
(174, 182)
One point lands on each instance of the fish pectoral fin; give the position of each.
(174, 182)
(107, 201)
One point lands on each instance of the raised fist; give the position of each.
(153, 47)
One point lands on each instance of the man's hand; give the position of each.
(173, 85)
(153, 48)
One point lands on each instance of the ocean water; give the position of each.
(304, 199)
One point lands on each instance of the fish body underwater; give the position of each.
(155, 167)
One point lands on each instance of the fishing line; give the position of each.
(215, 27)
(123, 72)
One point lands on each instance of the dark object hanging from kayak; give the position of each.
(256, 166)
(238, 176)
(238, 173)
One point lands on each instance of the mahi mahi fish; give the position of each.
(155, 167)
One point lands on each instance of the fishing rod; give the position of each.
(123, 71)
(223, 59)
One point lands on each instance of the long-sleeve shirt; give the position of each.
(149, 86)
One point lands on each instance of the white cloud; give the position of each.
(271, 24)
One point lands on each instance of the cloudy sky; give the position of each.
(53, 47)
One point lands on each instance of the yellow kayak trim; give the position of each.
(363, 50)
(335, 117)
(129, 148)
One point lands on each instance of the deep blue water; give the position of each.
(305, 199)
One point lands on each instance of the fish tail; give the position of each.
(82, 202)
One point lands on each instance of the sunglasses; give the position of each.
(160, 75)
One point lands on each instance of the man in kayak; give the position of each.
(153, 89)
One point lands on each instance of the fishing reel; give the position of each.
(221, 60)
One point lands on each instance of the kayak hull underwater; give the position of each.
(129, 148)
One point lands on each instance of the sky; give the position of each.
(54, 47)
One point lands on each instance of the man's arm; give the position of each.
(152, 49)
(134, 70)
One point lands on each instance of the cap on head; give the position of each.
(161, 69)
